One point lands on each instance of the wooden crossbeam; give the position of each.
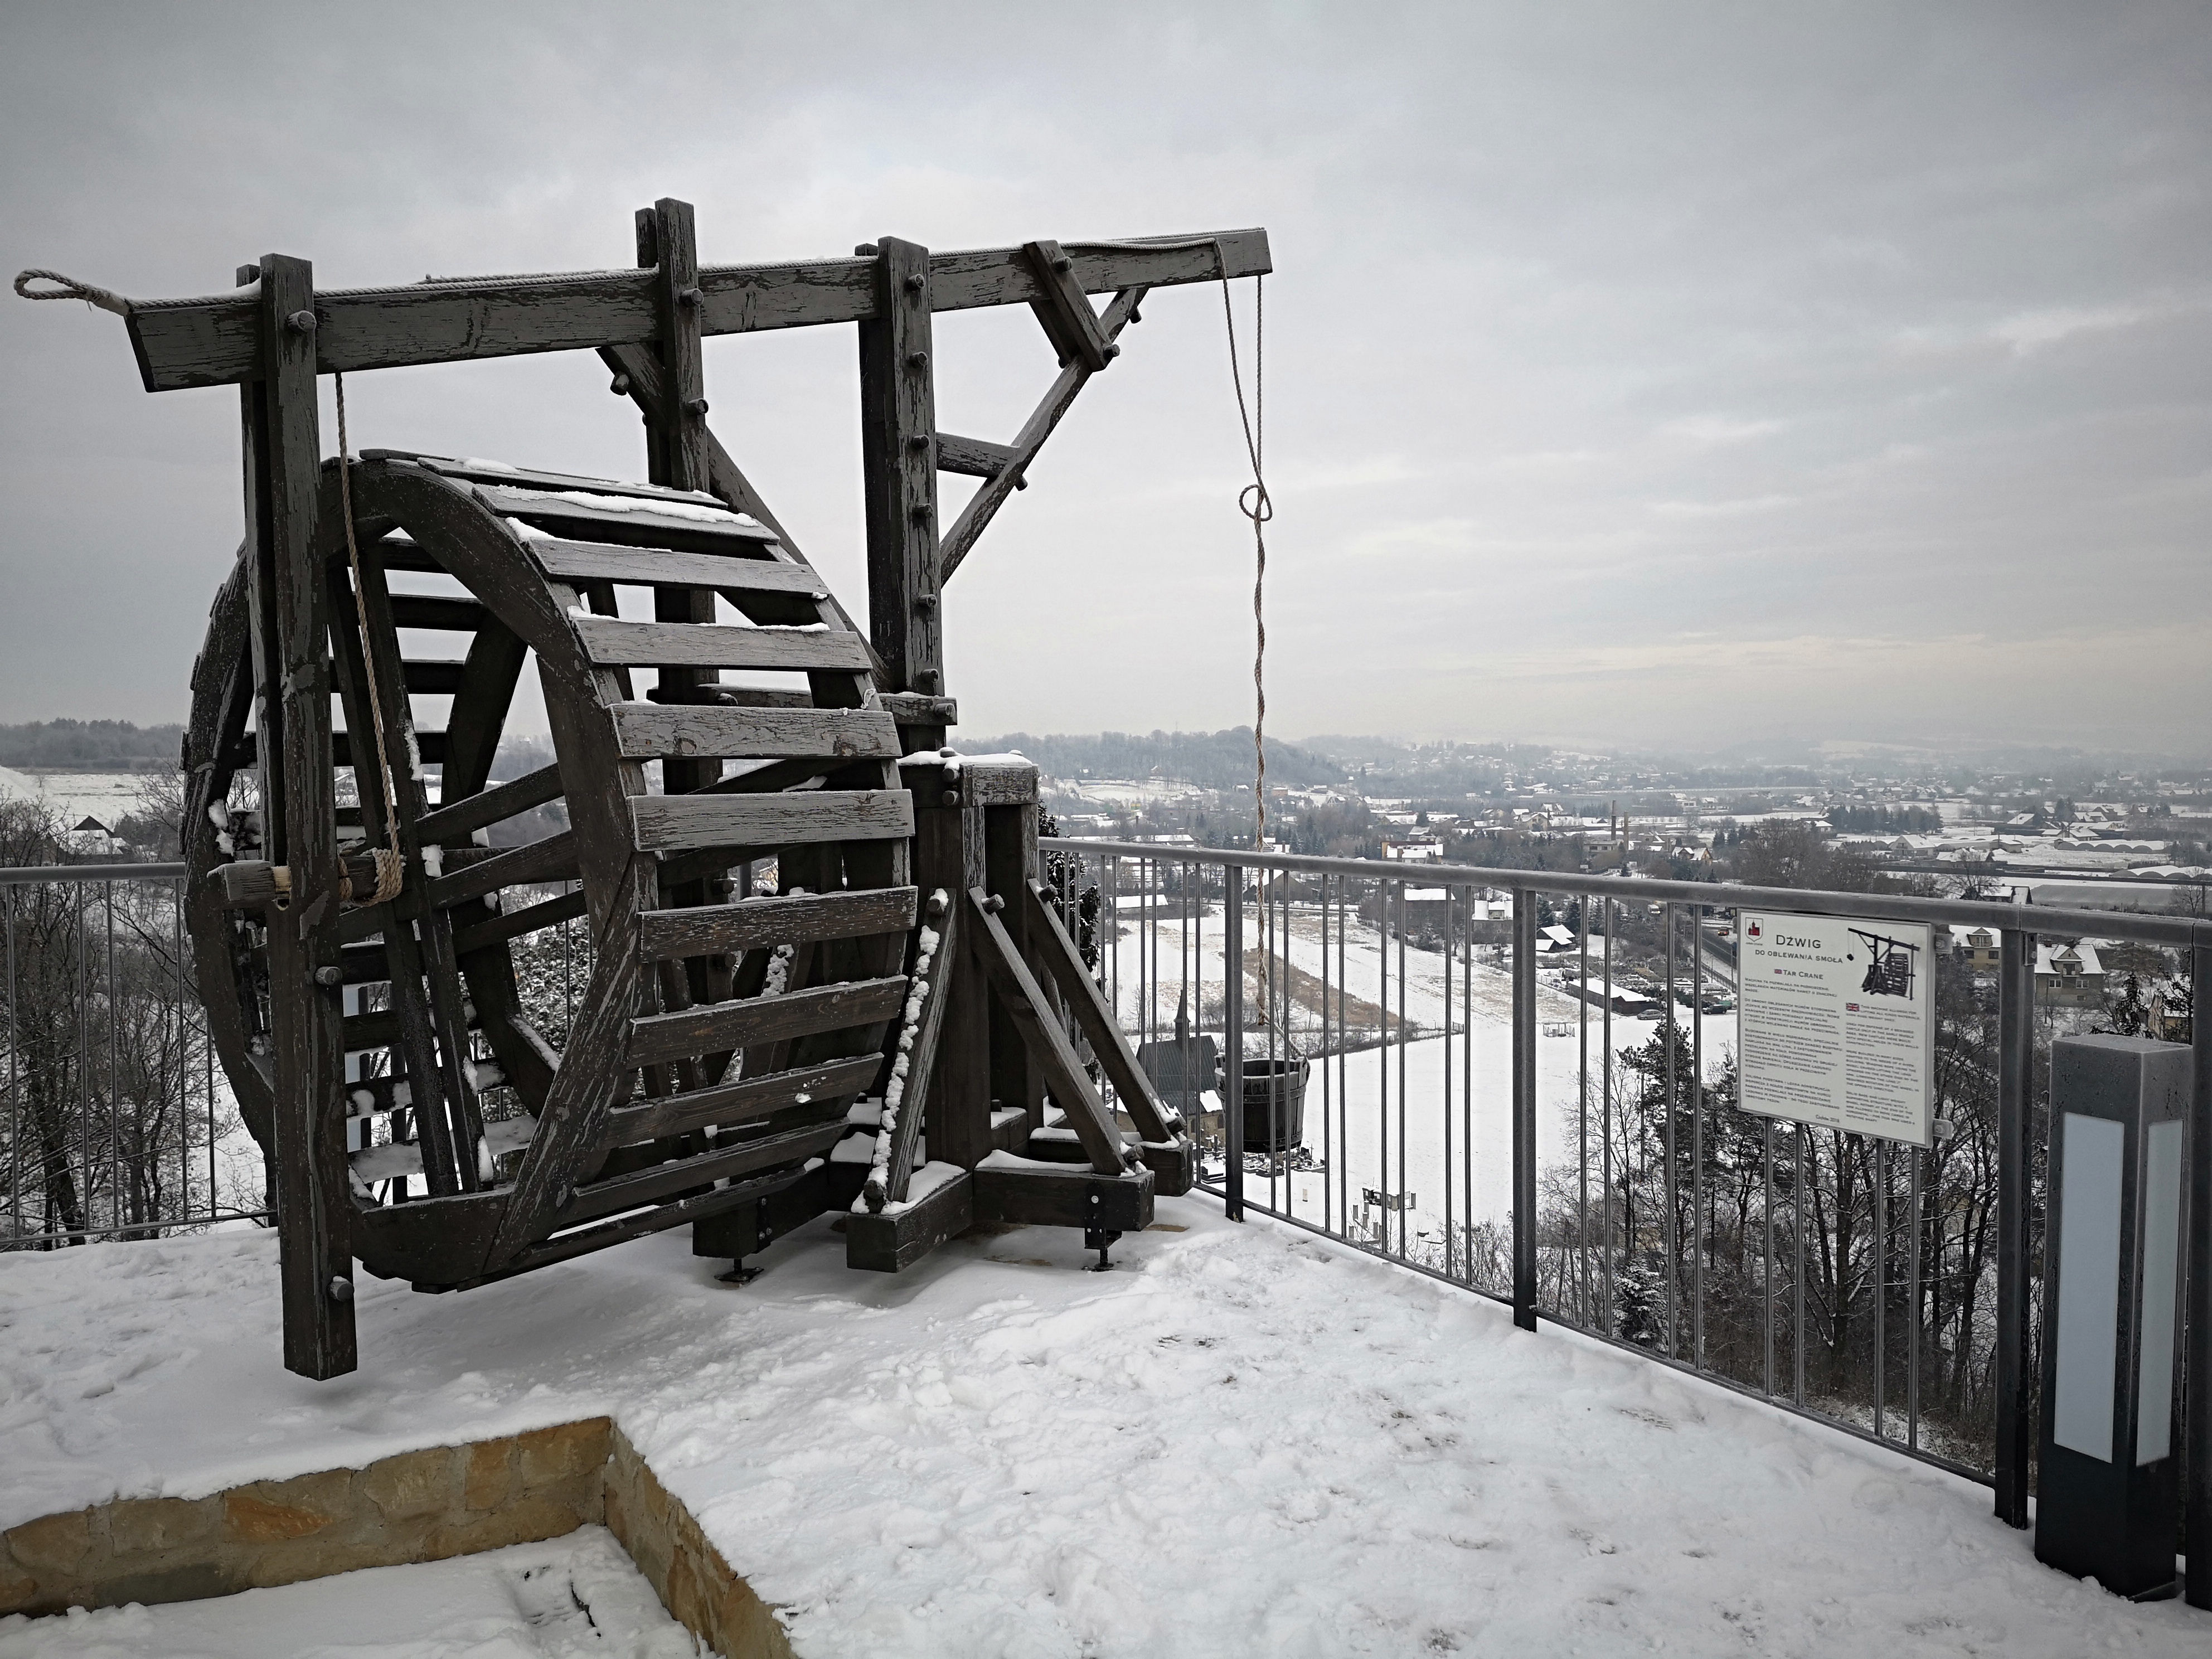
(973, 458)
(212, 341)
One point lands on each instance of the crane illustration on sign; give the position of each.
(1889, 965)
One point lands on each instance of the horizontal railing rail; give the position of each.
(2067, 922)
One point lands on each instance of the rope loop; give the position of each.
(69, 288)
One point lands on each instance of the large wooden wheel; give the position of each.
(718, 1043)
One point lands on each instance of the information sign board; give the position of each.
(1836, 1022)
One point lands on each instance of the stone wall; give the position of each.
(694, 1583)
(418, 1506)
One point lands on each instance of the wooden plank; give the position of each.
(553, 858)
(1050, 945)
(432, 610)
(742, 1101)
(626, 1192)
(707, 1206)
(741, 1024)
(1024, 999)
(211, 341)
(796, 817)
(984, 505)
(753, 924)
(898, 475)
(973, 458)
(514, 924)
(611, 641)
(314, 1200)
(1053, 1195)
(894, 1240)
(701, 528)
(648, 732)
(1064, 310)
(662, 566)
(461, 819)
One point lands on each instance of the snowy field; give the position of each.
(577, 1597)
(1243, 1440)
(1399, 1122)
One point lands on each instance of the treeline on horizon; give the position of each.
(1208, 760)
(90, 745)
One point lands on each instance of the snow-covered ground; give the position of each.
(577, 1597)
(1243, 1440)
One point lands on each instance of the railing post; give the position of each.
(1524, 1108)
(2196, 1441)
(1232, 1039)
(2015, 1075)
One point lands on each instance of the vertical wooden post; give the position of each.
(675, 455)
(1009, 863)
(898, 463)
(948, 856)
(313, 1202)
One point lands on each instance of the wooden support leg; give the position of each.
(1009, 865)
(313, 1202)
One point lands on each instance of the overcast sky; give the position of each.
(1664, 374)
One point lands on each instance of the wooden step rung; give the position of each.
(649, 731)
(686, 527)
(741, 1102)
(788, 818)
(613, 642)
(717, 1027)
(458, 819)
(430, 745)
(432, 678)
(507, 477)
(552, 858)
(759, 923)
(435, 611)
(661, 566)
(626, 1192)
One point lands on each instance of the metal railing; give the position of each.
(119, 1123)
(1545, 1114)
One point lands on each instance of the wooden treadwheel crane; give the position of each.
(738, 1062)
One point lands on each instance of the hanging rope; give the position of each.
(1252, 502)
(69, 288)
(391, 868)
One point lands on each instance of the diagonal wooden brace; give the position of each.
(1064, 309)
(1156, 1121)
(1025, 1002)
